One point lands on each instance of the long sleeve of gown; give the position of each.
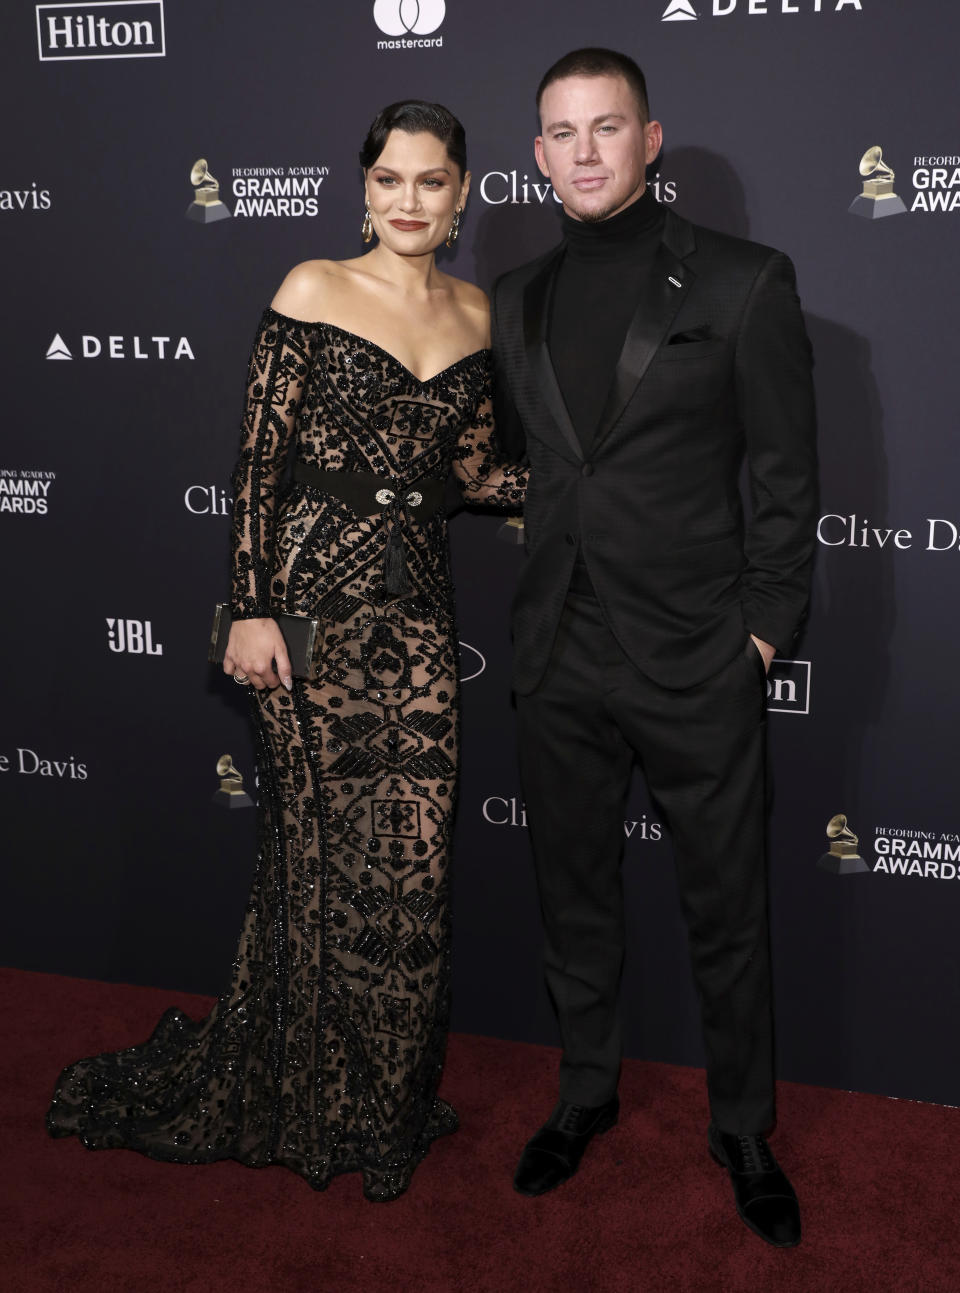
(279, 365)
(484, 478)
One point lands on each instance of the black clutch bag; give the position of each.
(299, 633)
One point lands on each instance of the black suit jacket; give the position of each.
(715, 366)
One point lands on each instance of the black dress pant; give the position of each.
(702, 750)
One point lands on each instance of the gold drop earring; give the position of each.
(366, 229)
(454, 233)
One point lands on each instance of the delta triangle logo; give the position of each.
(679, 11)
(57, 349)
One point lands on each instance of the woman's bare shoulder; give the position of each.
(473, 306)
(467, 295)
(307, 290)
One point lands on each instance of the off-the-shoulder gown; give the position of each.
(325, 1054)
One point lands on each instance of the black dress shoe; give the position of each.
(554, 1153)
(765, 1198)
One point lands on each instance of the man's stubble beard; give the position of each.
(593, 217)
(597, 217)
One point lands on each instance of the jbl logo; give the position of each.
(133, 636)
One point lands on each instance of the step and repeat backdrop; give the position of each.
(164, 163)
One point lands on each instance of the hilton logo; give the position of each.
(133, 637)
(788, 687)
(108, 29)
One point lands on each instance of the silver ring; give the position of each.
(241, 679)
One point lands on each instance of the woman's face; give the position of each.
(413, 189)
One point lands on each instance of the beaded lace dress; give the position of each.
(326, 1053)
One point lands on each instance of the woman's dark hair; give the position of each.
(415, 117)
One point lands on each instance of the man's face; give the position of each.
(595, 147)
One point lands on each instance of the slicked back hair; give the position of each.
(414, 117)
(599, 62)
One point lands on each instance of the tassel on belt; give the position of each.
(368, 494)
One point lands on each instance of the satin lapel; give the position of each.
(665, 291)
(536, 315)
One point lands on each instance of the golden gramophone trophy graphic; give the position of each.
(842, 857)
(206, 206)
(231, 793)
(877, 198)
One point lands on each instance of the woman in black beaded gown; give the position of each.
(373, 375)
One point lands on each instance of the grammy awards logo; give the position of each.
(25, 490)
(877, 197)
(231, 793)
(206, 206)
(679, 11)
(842, 857)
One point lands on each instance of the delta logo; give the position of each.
(120, 347)
(685, 11)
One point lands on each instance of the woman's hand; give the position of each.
(254, 646)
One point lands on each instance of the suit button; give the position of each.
(586, 469)
(570, 538)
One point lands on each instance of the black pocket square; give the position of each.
(694, 334)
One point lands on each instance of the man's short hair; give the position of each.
(599, 62)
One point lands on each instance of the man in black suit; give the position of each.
(636, 365)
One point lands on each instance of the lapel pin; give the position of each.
(675, 281)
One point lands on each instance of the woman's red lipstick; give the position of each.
(406, 226)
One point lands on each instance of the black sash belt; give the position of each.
(368, 494)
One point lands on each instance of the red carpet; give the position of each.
(878, 1180)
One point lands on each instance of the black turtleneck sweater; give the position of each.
(596, 291)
